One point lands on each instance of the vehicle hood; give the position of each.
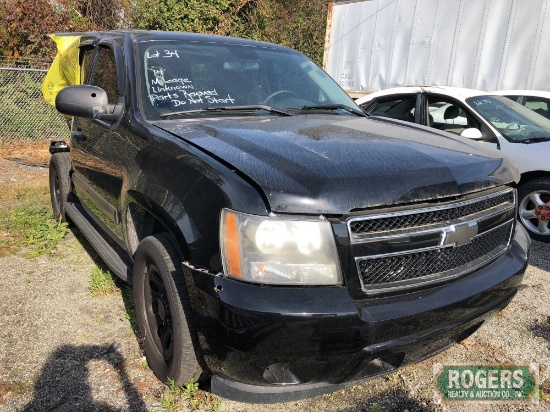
(334, 164)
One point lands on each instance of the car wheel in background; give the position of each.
(163, 311)
(534, 208)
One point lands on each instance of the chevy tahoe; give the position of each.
(280, 241)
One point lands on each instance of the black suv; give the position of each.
(278, 239)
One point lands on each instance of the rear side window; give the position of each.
(104, 74)
(514, 98)
(87, 55)
(401, 108)
(538, 105)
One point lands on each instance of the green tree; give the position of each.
(201, 16)
(24, 25)
(100, 14)
(299, 24)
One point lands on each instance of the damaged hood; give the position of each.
(334, 164)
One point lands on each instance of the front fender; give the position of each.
(186, 194)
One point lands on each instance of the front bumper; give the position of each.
(277, 344)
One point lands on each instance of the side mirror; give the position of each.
(89, 102)
(81, 101)
(472, 133)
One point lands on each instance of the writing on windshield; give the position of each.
(193, 76)
(177, 92)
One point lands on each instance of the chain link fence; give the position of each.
(24, 114)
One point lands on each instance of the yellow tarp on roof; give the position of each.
(65, 69)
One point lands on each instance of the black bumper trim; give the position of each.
(242, 392)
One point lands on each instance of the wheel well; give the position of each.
(141, 223)
(525, 177)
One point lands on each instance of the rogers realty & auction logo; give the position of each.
(493, 383)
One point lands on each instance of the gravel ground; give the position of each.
(63, 349)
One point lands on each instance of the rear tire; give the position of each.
(164, 312)
(60, 183)
(534, 208)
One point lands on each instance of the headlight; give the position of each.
(291, 251)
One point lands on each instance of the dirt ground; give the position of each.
(63, 349)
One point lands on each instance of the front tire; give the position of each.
(60, 183)
(534, 208)
(164, 312)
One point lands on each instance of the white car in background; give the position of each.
(492, 119)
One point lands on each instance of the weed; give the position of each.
(19, 386)
(376, 408)
(128, 296)
(101, 282)
(16, 387)
(175, 397)
(131, 317)
(544, 391)
(171, 397)
(33, 227)
(392, 378)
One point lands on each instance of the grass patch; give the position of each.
(28, 190)
(31, 227)
(101, 282)
(26, 220)
(176, 398)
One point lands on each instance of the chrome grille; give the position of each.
(376, 225)
(408, 248)
(444, 262)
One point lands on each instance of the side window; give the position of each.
(401, 108)
(104, 74)
(449, 115)
(539, 105)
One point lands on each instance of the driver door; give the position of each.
(95, 149)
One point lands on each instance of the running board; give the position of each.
(115, 259)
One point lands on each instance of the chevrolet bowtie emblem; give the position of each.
(458, 235)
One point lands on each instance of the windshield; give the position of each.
(514, 121)
(191, 77)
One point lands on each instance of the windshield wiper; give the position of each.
(334, 107)
(229, 109)
(536, 139)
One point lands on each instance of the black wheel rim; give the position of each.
(159, 317)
